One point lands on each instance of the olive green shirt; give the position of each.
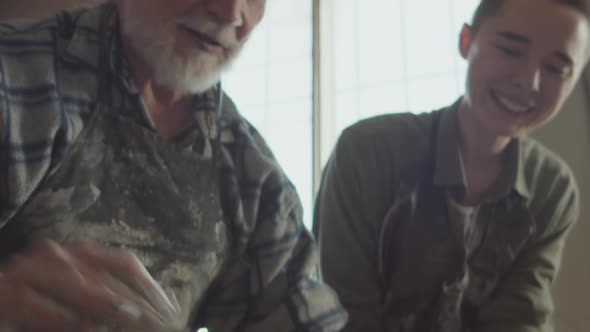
(374, 163)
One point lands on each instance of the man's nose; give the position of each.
(227, 11)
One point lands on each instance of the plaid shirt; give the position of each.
(49, 76)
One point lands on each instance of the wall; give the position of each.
(569, 135)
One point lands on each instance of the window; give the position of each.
(377, 56)
(271, 84)
(381, 56)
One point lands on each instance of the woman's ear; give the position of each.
(465, 39)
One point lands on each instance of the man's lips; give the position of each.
(204, 42)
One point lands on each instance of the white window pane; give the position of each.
(380, 43)
(290, 80)
(431, 42)
(255, 52)
(291, 134)
(381, 55)
(383, 99)
(286, 40)
(347, 106)
(271, 84)
(288, 11)
(432, 93)
(257, 114)
(389, 56)
(344, 36)
(346, 71)
(463, 11)
(247, 84)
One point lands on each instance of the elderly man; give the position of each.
(133, 195)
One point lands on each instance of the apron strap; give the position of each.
(104, 86)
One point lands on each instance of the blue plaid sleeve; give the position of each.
(30, 119)
(39, 117)
(270, 284)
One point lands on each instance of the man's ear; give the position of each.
(465, 39)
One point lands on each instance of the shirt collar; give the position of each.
(516, 166)
(449, 170)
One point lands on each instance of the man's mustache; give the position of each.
(226, 36)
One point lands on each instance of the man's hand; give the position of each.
(79, 288)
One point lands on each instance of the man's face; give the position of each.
(188, 43)
(522, 64)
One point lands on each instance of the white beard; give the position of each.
(189, 70)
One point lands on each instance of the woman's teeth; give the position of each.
(513, 106)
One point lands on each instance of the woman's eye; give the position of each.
(509, 51)
(554, 69)
(557, 70)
